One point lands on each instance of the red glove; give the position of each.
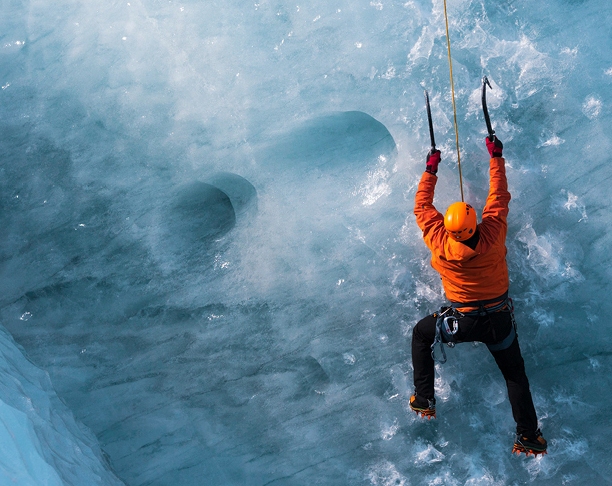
(433, 159)
(495, 146)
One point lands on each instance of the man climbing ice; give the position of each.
(471, 260)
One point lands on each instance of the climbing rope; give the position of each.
(450, 64)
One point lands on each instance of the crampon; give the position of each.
(528, 446)
(519, 449)
(427, 409)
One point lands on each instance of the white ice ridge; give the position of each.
(40, 441)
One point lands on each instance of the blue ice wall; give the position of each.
(40, 441)
(207, 237)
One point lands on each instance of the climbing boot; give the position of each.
(423, 406)
(535, 444)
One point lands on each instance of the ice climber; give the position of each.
(471, 260)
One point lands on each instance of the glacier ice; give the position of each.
(40, 441)
(208, 241)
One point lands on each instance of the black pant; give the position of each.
(489, 329)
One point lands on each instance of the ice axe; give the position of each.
(485, 82)
(431, 130)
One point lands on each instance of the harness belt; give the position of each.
(482, 304)
(447, 323)
(508, 340)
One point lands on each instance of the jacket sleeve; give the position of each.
(429, 219)
(495, 211)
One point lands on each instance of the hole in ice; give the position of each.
(199, 213)
(241, 192)
(332, 141)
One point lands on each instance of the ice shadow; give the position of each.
(331, 141)
(200, 213)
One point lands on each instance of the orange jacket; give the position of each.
(468, 275)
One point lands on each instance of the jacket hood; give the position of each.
(455, 251)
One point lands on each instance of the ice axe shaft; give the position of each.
(485, 82)
(431, 130)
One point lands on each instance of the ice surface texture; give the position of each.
(40, 442)
(208, 240)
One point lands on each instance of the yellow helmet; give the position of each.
(460, 221)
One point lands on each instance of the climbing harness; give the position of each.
(447, 323)
(505, 305)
